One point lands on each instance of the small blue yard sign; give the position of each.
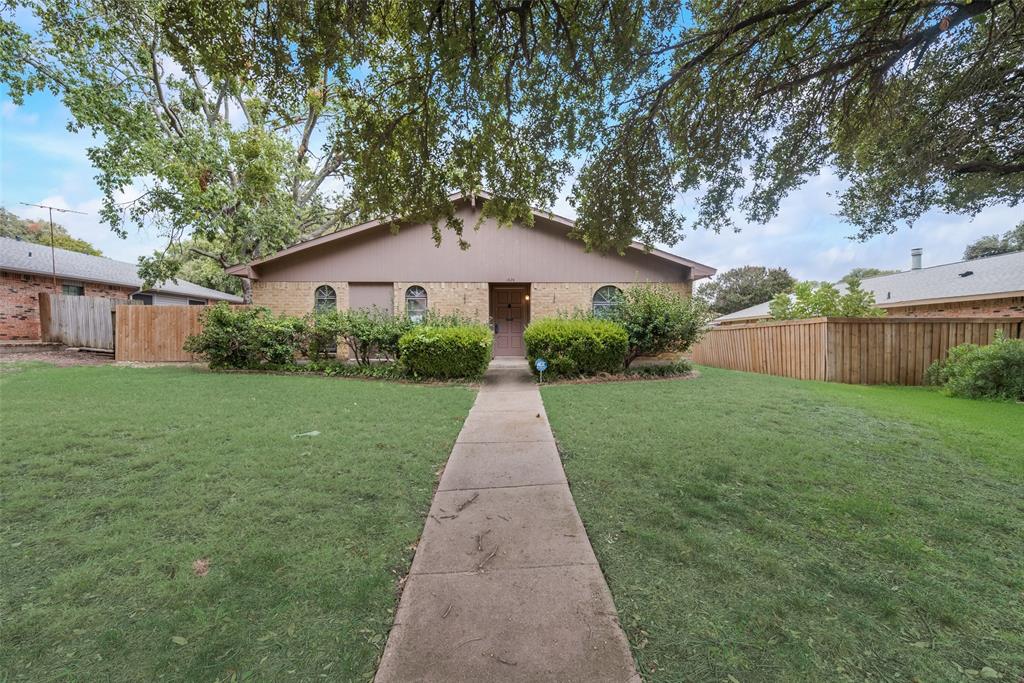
(541, 366)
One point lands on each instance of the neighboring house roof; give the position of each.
(991, 277)
(29, 257)
(698, 270)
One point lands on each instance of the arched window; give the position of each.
(325, 299)
(416, 303)
(606, 299)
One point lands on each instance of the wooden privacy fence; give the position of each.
(155, 333)
(849, 350)
(83, 321)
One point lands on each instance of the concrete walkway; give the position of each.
(504, 585)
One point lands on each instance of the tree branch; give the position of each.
(155, 75)
(926, 37)
(984, 166)
(216, 257)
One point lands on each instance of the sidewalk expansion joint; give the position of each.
(506, 486)
(500, 570)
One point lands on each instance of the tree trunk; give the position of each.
(246, 290)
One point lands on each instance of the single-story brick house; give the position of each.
(507, 277)
(990, 287)
(27, 268)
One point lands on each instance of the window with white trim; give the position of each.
(416, 303)
(325, 299)
(606, 299)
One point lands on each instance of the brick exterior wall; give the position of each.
(549, 299)
(1009, 307)
(470, 299)
(294, 298)
(19, 301)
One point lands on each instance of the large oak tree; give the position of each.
(916, 104)
(248, 125)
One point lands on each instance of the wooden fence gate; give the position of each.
(84, 321)
(156, 334)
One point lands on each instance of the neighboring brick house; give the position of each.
(990, 287)
(27, 268)
(507, 277)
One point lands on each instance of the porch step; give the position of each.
(508, 363)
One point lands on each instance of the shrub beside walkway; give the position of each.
(504, 584)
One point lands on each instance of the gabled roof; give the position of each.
(985, 278)
(698, 270)
(29, 257)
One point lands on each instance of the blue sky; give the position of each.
(41, 162)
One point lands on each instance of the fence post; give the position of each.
(45, 317)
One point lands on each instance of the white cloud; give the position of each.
(809, 239)
(12, 113)
(61, 148)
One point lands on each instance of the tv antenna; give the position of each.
(53, 253)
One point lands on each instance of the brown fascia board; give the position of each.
(950, 299)
(697, 270)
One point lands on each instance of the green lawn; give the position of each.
(755, 528)
(115, 480)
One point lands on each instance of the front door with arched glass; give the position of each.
(509, 314)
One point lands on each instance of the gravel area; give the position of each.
(62, 358)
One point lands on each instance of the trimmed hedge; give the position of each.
(433, 352)
(576, 346)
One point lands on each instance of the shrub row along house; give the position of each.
(28, 269)
(990, 287)
(507, 277)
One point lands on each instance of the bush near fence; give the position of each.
(848, 350)
(247, 337)
(972, 371)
